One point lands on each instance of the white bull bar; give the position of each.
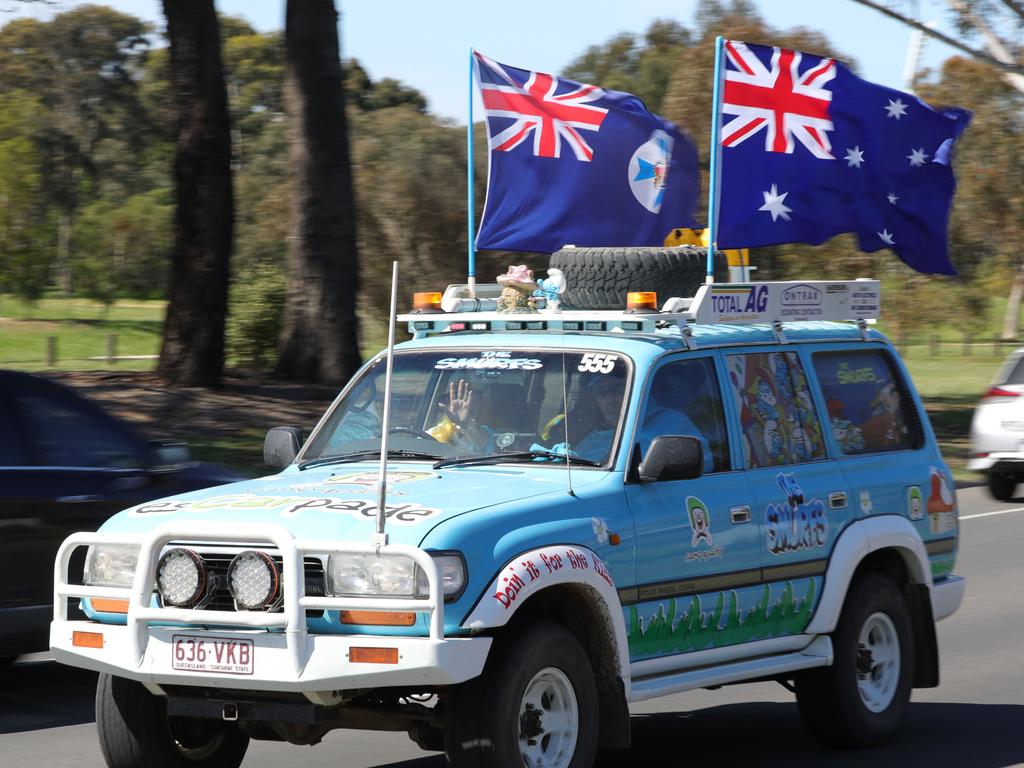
(292, 618)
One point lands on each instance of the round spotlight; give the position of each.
(181, 577)
(254, 580)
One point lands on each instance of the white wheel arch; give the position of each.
(859, 540)
(532, 572)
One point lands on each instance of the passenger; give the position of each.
(666, 415)
(597, 418)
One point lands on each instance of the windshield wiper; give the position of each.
(342, 458)
(497, 458)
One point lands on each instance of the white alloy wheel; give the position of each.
(549, 720)
(878, 662)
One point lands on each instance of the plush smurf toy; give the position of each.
(551, 288)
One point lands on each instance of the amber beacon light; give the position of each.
(426, 301)
(642, 301)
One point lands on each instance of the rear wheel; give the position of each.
(860, 701)
(135, 731)
(1002, 485)
(534, 705)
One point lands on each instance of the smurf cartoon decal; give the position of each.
(915, 502)
(941, 504)
(796, 524)
(776, 411)
(700, 524)
(699, 521)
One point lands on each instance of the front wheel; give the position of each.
(534, 705)
(861, 700)
(135, 731)
(1002, 485)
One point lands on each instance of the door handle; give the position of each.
(739, 514)
(84, 499)
(837, 500)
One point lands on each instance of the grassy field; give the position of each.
(949, 376)
(81, 329)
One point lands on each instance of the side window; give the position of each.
(67, 436)
(867, 406)
(777, 416)
(13, 451)
(684, 399)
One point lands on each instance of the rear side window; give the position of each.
(1012, 372)
(776, 410)
(868, 407)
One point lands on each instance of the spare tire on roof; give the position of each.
(599, 278)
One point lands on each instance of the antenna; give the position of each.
(565, 421)
(385, 419)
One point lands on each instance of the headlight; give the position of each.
(391, 575)
(111, 565)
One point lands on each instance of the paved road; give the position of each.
(975, 718)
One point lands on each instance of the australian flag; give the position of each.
(809, 150)
(576, 164)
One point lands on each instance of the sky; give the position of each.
(426, 44)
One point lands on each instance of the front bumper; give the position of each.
(325, 663)
(285, 655)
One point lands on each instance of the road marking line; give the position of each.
(989, 514)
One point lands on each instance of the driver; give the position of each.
(461, 419)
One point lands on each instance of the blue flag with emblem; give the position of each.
(576, 164)
(809, 150)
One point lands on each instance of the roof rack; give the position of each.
(771, 303)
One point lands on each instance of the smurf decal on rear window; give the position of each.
(867, 408)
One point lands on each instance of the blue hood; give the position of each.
(340, 502)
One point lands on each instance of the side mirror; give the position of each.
(168, 455)
(672, 457)
(281, 446)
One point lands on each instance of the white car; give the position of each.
(997, 430)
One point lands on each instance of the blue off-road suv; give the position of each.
(583, 509)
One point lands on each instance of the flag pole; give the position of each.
(714, 160)
(471, 277)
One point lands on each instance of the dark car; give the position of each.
(66, 466)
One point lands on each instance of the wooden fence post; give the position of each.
(933, 345)
(51, 351)
(111, 348)
(995, 346)
(967, 345)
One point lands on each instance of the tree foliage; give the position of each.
(87, 143)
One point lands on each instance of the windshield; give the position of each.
(486, 402)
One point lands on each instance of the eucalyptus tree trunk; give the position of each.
(193, 345)
(1011, 320)
(320, 340)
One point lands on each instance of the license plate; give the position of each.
(222, 655)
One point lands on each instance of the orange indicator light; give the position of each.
(359, 655)
(379, 618)
(109, 606)
(87, 639)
